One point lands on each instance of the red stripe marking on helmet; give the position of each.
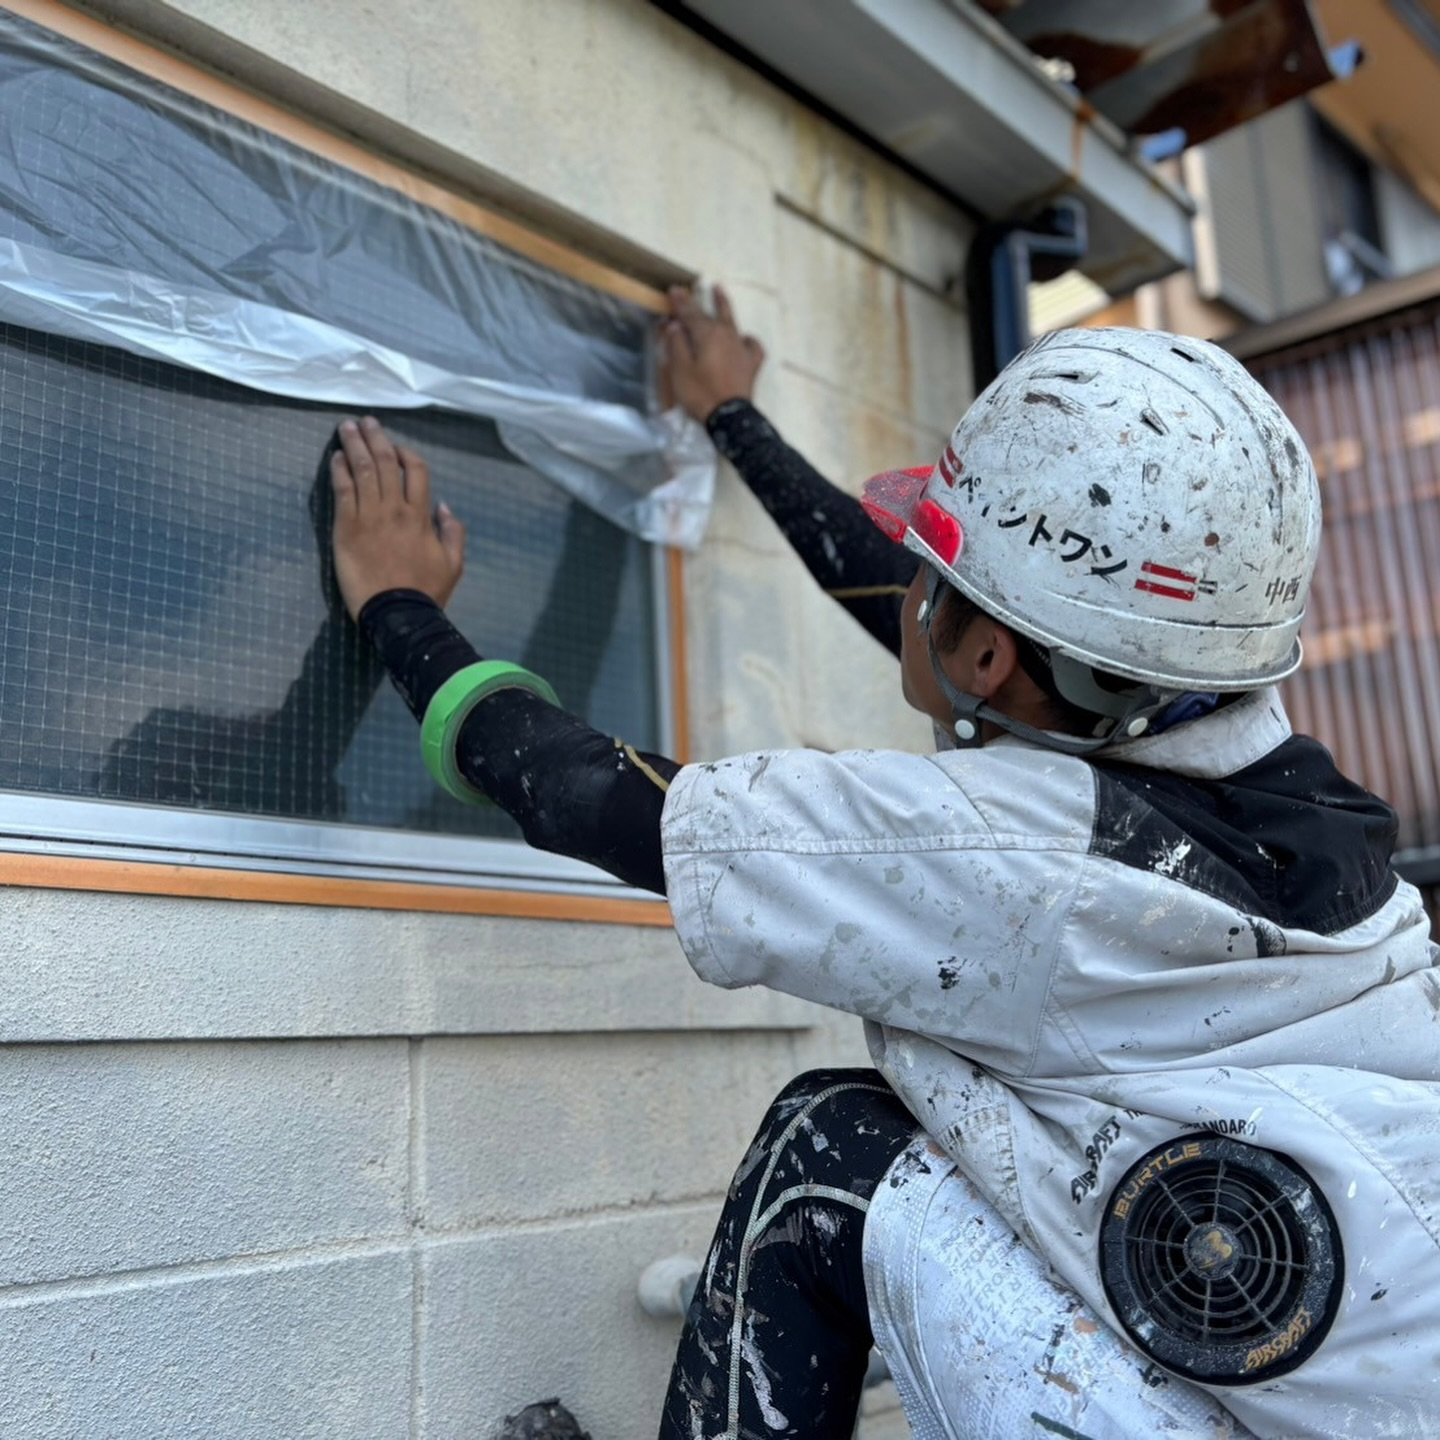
(1170, 592)
(951, 465)
(1167, 590)
(1165, 572)
(939, 530)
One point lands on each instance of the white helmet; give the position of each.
(1129, 499)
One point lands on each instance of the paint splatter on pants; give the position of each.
(778, 1334)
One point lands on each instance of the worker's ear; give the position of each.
(988, 649)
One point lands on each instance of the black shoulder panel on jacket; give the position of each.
(1288, 840)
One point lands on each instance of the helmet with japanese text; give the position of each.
(1135, 505)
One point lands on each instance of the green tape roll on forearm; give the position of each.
(447, 712)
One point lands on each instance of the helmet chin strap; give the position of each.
(1131, 710)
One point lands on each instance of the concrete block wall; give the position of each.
(399, 1216)
(286, 1171)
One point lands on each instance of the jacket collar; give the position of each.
(1208, 748)
(1217, 744)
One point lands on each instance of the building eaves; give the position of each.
(971, 100)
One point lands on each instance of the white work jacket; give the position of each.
(1065, 963)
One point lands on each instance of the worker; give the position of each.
(1152, 1140)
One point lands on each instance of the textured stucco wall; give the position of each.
(279, 1171)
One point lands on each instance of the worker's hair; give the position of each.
(954, 615)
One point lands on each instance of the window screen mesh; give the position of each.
(167, 638)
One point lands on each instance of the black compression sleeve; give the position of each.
(420, 647)
(571, 789)
(851, 560)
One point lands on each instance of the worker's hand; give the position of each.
(708, 360)
(387, 536)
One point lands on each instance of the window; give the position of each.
(175, 672)
(1354, 248)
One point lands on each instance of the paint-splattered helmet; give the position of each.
(1128, 499)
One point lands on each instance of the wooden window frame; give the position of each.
(238, 882)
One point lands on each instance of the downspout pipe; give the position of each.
(1004, 258)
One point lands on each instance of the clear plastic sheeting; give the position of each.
(136, 216)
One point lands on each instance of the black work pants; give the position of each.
(777, 1337)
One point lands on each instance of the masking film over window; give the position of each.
(188, 304)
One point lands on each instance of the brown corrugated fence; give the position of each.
(1367, 401)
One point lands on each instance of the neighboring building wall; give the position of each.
(1262, 231)
(1366, 400)
(1410, 226)
(361, 1174)
(1260, 242)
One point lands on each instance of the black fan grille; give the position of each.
(1256, 1219)
(1222, 1260)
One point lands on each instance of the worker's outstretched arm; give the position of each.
(397, 560)
(711, 372)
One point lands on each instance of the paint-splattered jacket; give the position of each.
(1067, 963)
